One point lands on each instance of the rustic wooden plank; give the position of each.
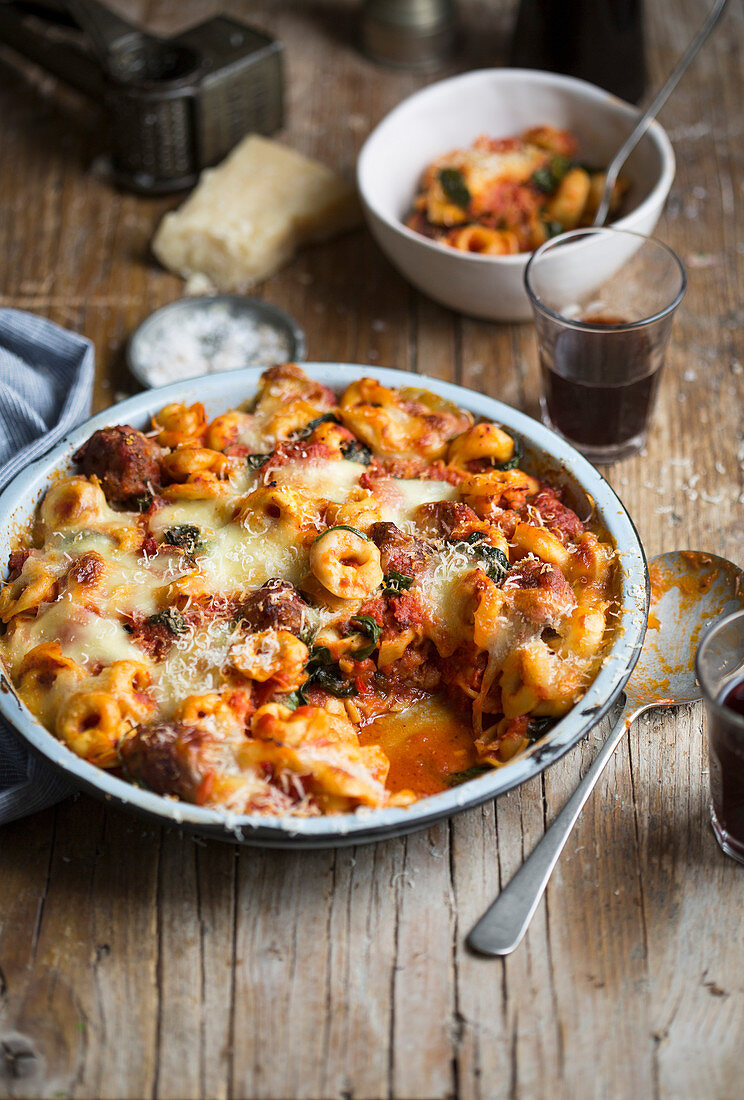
(628, 993)
(85, 980)
(362, 936)
(99, 923)
(507, 1037)
(422, 989)
(26, 853)
(281, 972)
(194, 966)
(597, 936)
(689, 885)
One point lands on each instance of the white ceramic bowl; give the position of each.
(500, 103)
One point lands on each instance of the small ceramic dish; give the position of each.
(499, 103)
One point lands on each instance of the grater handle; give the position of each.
(107, 32)
(43, 35)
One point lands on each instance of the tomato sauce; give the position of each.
(427, 745)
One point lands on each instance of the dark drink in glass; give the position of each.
(720, 672)
(600, 387)
(726, 746)
(603, 302)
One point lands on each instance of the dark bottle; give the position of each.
(598, 40)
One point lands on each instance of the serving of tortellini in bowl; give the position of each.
(425, 175)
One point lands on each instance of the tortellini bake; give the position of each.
(252, 612)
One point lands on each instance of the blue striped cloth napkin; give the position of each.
(46, 385)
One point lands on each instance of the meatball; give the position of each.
(276, 604)
(399, 551)
(557, 517)
(124, 460)
(539, 591)
(167, 758)
(452, 520)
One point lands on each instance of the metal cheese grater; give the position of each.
(175, 105)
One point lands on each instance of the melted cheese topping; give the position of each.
(327, 479)
(87, 638)
(482, 167)
(400, 497)
(194, 664)
(237, 559)
(207, 515)
(440, 594)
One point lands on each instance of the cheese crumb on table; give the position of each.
(247, 217)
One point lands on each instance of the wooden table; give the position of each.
(137, 962)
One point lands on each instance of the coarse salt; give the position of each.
(204, 341)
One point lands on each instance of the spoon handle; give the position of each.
(502, 926)
(653, 109)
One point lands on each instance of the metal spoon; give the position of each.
(653, 109)
(689, 590)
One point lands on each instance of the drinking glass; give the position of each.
(719, 667)
(603, 301)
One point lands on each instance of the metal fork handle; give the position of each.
(503, 925)
(653, 109)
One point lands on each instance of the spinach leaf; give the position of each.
(495, 562)
(342, 527)
(334, 682)
(186, 536)
(553, 229)
(171, 619)
(559, 166)
(355, 451)
(547, 177)
(393, 583)
(303, 433)
(256, 461)
(514, 461)
(293, 700)
(367, 625)
(323, 672)
(142, 502)
(454, 779)
(542, 179)
(491, 559)
(454, 186)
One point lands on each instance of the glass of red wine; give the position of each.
(719, 667)
(603, 301)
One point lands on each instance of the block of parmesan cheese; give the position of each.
(248, 216)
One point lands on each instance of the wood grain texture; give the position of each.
(137, 962)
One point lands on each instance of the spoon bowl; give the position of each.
(690, 591)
